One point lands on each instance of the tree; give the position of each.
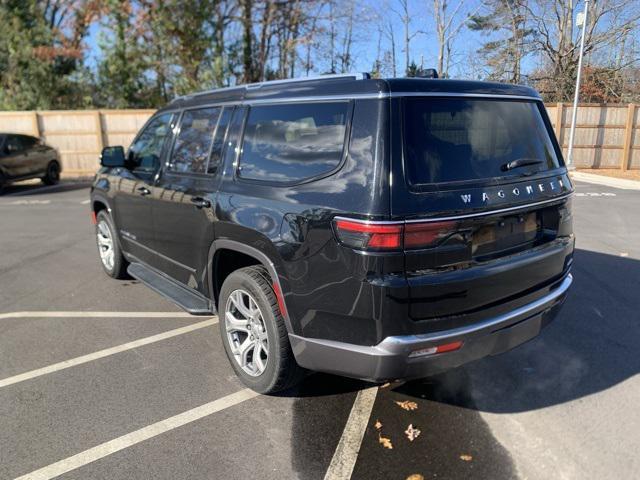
(504, 54)
(448, 25)
(121, 79)
(556, 38)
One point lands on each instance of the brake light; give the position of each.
(391, 236)
(372, 235)
(421, 235)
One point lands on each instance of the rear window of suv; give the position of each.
(461, 139)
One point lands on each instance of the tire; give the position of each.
(113, 263)
(2, 183)
(52, 176)
(279, 370)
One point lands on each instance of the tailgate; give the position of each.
(485, 198)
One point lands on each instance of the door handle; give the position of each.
(144, 191)
(200, 202)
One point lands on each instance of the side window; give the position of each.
(218, 140)
(144, 153)
(13, 144)
(28, 142)
(193, 142)
(285, 143)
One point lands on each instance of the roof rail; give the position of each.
(355, 76)
(252, 86)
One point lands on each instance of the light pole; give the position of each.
(576, 97)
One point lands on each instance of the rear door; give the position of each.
(485, 199)
(183, 212)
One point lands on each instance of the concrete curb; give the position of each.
(608, 181)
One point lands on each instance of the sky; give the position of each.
(423, 44)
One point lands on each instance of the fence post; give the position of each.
(99, 136)
(558, 125)
(628, 137)
(35, 125)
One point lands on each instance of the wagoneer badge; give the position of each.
(518, 191)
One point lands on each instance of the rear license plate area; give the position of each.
(505, 234)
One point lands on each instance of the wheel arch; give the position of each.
(218, 247)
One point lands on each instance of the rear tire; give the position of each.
(52, 176)
(255, 337)
(111, 258)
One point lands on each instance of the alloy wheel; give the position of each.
(246, 332)
(105, 245)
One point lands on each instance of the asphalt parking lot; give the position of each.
(105, 379)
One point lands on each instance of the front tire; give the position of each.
(52, 176)
(253, 332)
(111, 258)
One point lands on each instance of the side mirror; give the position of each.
(112, 157)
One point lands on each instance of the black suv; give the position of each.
(378, 229)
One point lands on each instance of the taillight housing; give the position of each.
(371, 235)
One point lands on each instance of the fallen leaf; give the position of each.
(385, 442)
(388, 384)
(466, 458)
(415, 476)
(412, 433)
(378, 425)
(407, 405)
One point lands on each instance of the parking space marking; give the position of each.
(105, 353)
(133, 438)
(346, 454)
(54, 314)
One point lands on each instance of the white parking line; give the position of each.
(104, 353)
(130, 439)
(346, 454)
(54, 314)
(85, 202)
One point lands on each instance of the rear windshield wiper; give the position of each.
(521, 162)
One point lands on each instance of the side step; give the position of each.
(190, 301)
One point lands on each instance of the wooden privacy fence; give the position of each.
(607, 136)
(79, 135)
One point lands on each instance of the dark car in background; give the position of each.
(23, 157)
(375, 228)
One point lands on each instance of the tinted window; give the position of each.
(193, 143)
(28, 142)
(450, 140)
(144, 153)
(13, 144)
(285, 143)
(218, 140)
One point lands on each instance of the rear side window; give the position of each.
(455, 139)
(193, 141)
(289, 143)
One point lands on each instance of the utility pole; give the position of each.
(574, 113)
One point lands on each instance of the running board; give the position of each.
(190, 301)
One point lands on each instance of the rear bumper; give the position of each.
(390, 359)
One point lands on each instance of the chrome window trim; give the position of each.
(456, 217)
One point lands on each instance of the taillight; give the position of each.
(423, 235)
(365, 235)
(369, 235)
